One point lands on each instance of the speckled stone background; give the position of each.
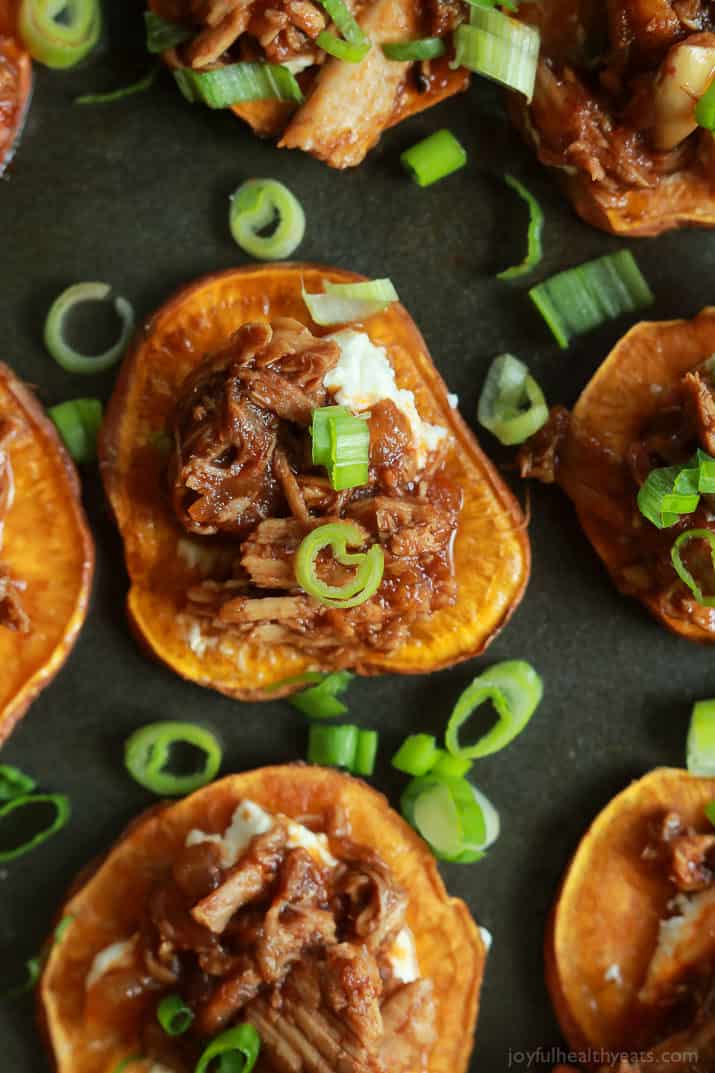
(136, 193)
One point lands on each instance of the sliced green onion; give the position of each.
(237, 83)
(424, 48)
(450, 767)
(141, 86)
(78, 422)
(579, 299)
(265, 203)
(705, 108)
(515, 690)
(321, 701)
(68, 358)
(434, 158)
(681, 569)
(365, 752)
(710, 812)
(534, 252)
(511, 405)
(343, 302)
(658, 500)
(237, 1051)
(341, 443)
(499, 48)
(333, 746)
(321, 439)
(33, 971)
(355, 44)
(174, 1016)
(307, 678)
(700, 747)
(457, 821)
(61, 805)
(336, 536)
(125, 1063)
(162, 34)
(147, 752)
(59, 33)
(342, 50)
(62, 928)
(416, 755)
(706, 473)
(14, 783)
(510, 5)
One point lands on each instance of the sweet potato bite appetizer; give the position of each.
(614, 109)
(15, 82)
(634, 456)
(289, 908)
(249, 562)
(46, 551)
(631, 944)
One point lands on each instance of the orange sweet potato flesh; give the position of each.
(609, 908)
(55, 561)
(612, 410)
(15, 82)
(492, 555)
(109, 907)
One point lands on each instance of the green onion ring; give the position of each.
(534, 252)
(68, 358)
(141, 86)
(355, 43)
(681, 569)
(33, 971)
(78, 422)
(341, 303)
(243, 1042)
(417, 755)
(348, 52)
(174, 1016)
(336, 536)
(453, 817)
(255, 206)
(61, 805)
(147, 752)
(700, 748)
(434, 158)
(425, 48)
(321, 700)
(14, 783)
(512, 405)
(515, 690)
(498, 47)
(58, 43)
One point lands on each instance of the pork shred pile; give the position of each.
(292, 946)
(242, 468)
(12, 614)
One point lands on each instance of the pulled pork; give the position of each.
(12, 613)
(242, 466)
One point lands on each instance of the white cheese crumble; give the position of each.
(486, 937)
(612, 975)
(402, 957)
(364, 376)
(117, 955)
(453, 400)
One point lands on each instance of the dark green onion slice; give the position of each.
(534, 252)
(61, 805)
(424, 48)
(434, 158)
(33, 971)
(59, 34)
(511, 405)
(333, 746)
(237, 83)
(163, 34)
(355, 44)
(147, 752)
(78, 422)
(457, 821)
(322, 701)
(341, 303)
(71, 360)
(236, 1050)
(450, 767)
(515, 690)
(658, 500)
(705, 109)
(321, 440)
(710, 812)
(125, 1063)
(14, 783)
(342, 50)
(341, 443)
(259, 204)
(499, 48)
(700, 747)
(579, 299)
(365, 752)
(681, 569)
(174, 1016)
(336, 536)
(141, 86)
(417, 754)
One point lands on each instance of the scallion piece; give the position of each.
(434, 158)
(706, 473)
(333, 746)
(681, 569)
(259, 204)
(147, 754)
(499, 48)
(33, 971)
(125, 1063)
(174, 1016)
(141, 86)
(457, 821)
(658, 500)
(59, 34)
(705, 109)
(68, 358)
(321, 440)
(365, 752)
(14, 783)
(450, 767)
(337, 536)
(354, 45)
(534, 251)
(62, 928)
(417, 754)
(579, 299)
(341, 303)
(710, 812)
(342, 50)
(78, 422)
(424, 48)
(58, 802)
(511, 405)
(236, 1050)
(163, 34)
(349, 451)
(237, 83)
(510, 5)
(515, 690)
(700, 747)
(321, 701)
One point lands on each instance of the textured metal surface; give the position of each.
(136, 193)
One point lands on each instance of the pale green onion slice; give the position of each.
(534, 252)
(515, 690)
(519, 34)
(448, 766)
(59, 34)
(163, 34)
(78, 422)
(437, 819)
(366, 752)
(417, 755)
(512, 405)
(14, 783)
(579, 299)
(424, 48)
(457, 821)
(237, 83)
(71, 360)
(705, 109)
(322, 700)
(141, 86)
(341, 303)
(700, 747)
(658, 500)
(499, 48)
(355, 43)
(434, 158)
(681, 569)
(342, 50)
(261, 204)
(336, 536)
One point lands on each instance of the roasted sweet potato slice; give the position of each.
(52, 564)
(605, 923)
(15, 82)
(109, 906)
(491, 549)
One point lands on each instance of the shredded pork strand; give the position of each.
(12, 614)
